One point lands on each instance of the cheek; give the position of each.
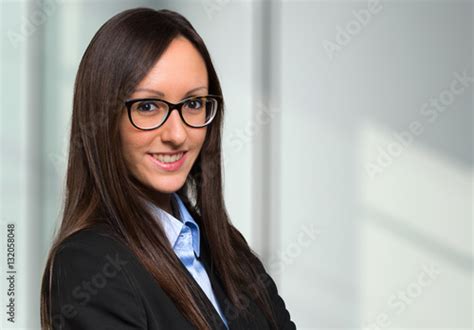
(132, 144)
(127, 150)
(198, 137)
(201, 135)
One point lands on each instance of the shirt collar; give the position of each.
(172, 226)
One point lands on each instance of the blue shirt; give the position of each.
(184, 238)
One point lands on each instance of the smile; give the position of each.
(168, 158)
(169, 162)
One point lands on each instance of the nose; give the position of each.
(173, 130)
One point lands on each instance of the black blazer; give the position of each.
(98, 283)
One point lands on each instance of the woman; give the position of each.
(145, 241)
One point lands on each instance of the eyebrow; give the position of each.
(161, 94)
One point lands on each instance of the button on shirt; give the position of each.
(184, 238)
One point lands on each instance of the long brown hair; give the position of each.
(99, 188)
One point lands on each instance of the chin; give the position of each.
(167, 185)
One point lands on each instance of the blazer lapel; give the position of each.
(221, 297)
(235, 319)
(215, 319)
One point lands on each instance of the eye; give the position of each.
(195, 104)
(146, 106)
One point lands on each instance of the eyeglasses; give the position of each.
(149, 113)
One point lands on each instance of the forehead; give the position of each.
(180, 68)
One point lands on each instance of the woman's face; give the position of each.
(178, 74)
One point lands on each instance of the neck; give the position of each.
(160, 199)
(163, 201)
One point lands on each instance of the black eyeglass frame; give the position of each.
(171, 106)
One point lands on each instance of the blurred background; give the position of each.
(348, 148)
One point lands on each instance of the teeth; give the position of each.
(168, 158)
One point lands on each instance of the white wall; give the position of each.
(386, 209)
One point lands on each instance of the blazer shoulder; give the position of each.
(92, 283)
(98, 238)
